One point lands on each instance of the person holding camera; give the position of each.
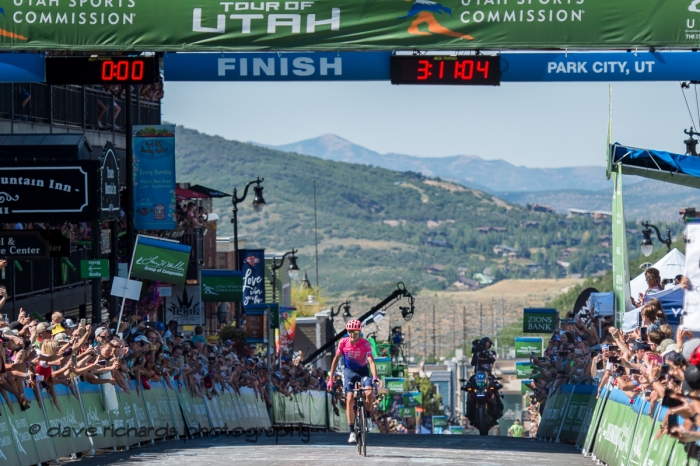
(483, 359)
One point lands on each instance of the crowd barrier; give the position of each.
(309, 409)
(83, 425)
(614, 429)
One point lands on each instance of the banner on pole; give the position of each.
(621, 275)
(252, 264)
(536, 320)
(394, 385)
(256, 323)
(691, 320)
(185, 306)
(159, 260)
(190, 25)
(288, 327)
(412, 399)
(523, 370)
(524, 346)
(154, 177)
(383, 366)
(222, 286)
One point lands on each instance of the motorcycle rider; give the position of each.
(482, 360)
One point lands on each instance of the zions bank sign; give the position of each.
(536, 320)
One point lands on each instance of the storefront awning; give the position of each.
(183, 194)
(210, 192)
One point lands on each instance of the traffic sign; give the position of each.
(94, 268)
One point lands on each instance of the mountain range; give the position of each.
(565, 188)
(378, 226)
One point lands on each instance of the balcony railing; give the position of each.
(73, 106)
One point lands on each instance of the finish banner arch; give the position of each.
(215, 25)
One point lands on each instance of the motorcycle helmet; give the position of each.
(484, 341)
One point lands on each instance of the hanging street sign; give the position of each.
(98, 268)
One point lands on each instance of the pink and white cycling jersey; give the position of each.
(355, 356)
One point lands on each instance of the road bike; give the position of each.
(361, 429)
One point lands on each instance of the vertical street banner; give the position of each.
(252, 264)
(159, 260)
(526, 345)
(222, 286)
(523, 370)
(621, 275)
(288, 328)
(256, 323)
(539, 320)
(185, 306)
(692, 271)
(154, 177)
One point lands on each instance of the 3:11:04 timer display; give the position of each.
(422, 69)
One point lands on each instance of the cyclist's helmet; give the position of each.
(486, 340)
(353, 325)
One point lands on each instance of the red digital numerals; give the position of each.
(463, 69)
(122, 70)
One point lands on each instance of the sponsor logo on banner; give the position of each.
(185, 306)
(692, 271)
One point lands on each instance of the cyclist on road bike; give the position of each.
(357, 354)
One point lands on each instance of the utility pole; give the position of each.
(434, 340)
(494, 324)
(464, 328)
(408, 343)
(425, 338)
(454, 328)
(481, 321)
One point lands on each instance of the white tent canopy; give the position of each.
(669, 266)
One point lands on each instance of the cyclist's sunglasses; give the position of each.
(353, 332)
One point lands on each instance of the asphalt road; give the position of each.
(333, 449)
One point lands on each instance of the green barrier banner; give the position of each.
(552, 416)
(394, 385)
(8, 442)
(615, 432)
(412, 399)
(525, 346)
(383, 367)
(523, 369)
(160, 260)
(344, 24)
(407, 412)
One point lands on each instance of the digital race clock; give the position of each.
(101, 70)
(466, 70)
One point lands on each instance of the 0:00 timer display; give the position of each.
(478, 70)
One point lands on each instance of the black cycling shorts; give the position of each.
(350, 377)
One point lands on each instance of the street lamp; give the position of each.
(346, 311)
(258, 206)
(292, 270)
(647, 245)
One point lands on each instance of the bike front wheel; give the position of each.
(362, 446)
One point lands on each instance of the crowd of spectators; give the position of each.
(191, 216)
(653, 361)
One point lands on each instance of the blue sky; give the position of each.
(534, 124)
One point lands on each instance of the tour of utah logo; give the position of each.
(9, 34)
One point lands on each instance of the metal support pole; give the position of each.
(96, 282)
(236, 263)
(129, 210)
(114, 264)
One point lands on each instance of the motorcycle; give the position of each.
(482, 392)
